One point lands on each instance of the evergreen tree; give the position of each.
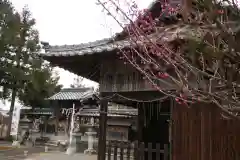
(22, 73)
(42, 85)
(7, 18)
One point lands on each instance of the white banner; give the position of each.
(15, 120)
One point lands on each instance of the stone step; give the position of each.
(52, 143)
(56, 145)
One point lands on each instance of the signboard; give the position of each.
(15, 120)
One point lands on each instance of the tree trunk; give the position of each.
(14, 93)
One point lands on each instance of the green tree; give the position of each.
(7, 19)
(22, 73)
(42, 85)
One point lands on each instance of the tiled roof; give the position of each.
(72, 50)
(82, 46)
(37, 111)
(73, 94)
(166, 34)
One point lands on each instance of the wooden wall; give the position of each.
(200, 133)
(116, 76)
(120, 131)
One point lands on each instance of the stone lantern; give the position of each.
(91, 133)
(25, 123)
(25, 126)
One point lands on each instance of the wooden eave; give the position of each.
(87, 65)
(86, 61)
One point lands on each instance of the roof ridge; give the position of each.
(83, 89)
(73, 94)
(80, 46)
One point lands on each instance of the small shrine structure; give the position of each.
(62, 103)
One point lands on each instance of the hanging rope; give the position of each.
(132, 99)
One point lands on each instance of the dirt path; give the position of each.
(61, 156)
(18, 153)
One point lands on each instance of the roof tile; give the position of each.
(73, 94)
(166, 34)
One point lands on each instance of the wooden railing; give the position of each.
(133, 151)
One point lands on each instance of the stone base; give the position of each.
(90, 151)
(29, 143)
(71, 150)
(16, 144)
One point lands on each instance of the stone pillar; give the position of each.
(91, 136)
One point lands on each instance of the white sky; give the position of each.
(61, 22)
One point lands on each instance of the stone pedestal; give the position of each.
(91, 136)
(16, 144)
(73, 146)
(77, 136)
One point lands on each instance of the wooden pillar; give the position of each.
(68, 124)
(172, 105)
(45, 124)
(57, 112)
(102, 130)
(140, 123)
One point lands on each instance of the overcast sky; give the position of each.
(61, 22)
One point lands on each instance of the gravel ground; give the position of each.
(37, 153)
(18, 153)
(61, 156)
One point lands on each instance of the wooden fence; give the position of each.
(128, 151)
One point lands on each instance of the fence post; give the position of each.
(115, 152)
(158, 151)
(135, 147)
(142, 151)
(109, 147)
(166, 152)
(149, 151)
(128, 151)
(121, 146)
